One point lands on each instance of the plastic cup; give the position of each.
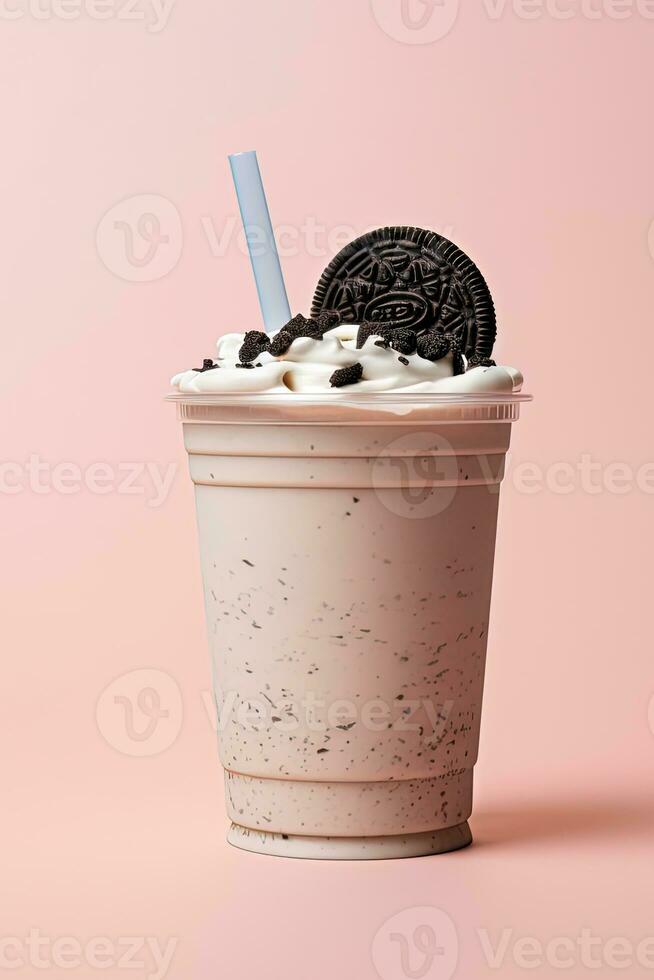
(347, 547)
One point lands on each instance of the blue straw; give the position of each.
(261, 240)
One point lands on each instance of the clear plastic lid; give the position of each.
(391, 408)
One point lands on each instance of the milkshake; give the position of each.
(347, 481)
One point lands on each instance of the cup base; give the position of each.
(351, 848)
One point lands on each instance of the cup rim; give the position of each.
(375, 400)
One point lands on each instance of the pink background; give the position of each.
(525, 138)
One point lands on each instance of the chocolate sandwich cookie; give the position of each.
(403, 278)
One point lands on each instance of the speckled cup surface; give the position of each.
(347, 563)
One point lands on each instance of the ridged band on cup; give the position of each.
(349, 809)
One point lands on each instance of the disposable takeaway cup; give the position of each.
(347, 546)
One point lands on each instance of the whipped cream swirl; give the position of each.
(309, 363)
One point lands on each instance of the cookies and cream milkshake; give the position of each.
(347, 479)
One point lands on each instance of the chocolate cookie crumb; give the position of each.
(280, 343)
(476, 360)
(433, 345)
(404, 341)
(347, 375)
(370, 329)
(207, 365)
(457, 356)
(300, 326)
(403, 360)
(254, 343)
(327, 320)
